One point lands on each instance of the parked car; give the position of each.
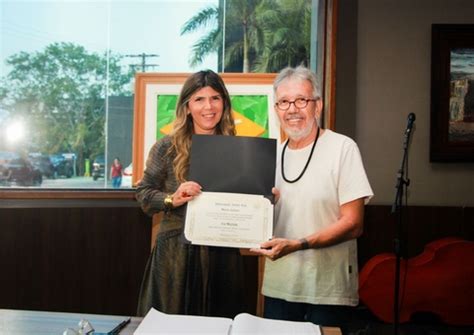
(62, 166)
(22, 173)
(98, 167)
(5, 174)
(127, 177)
(44, 164)
(5, 158)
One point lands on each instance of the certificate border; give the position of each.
(196, 236)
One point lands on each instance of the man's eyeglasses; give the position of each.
(299, 103)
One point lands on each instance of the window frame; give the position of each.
(50, 194)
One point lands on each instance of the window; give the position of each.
(67, 73)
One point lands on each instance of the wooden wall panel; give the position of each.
(420, 225)
(88, 260)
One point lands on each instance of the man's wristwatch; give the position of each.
(168, 202)
(304, 244)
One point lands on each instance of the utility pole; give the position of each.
(143, 63)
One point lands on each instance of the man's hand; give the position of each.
(276, 194)
(277, 248)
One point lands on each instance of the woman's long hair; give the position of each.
(183, 127)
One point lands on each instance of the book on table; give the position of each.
(159, 323)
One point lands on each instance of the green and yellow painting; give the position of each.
(250, 114)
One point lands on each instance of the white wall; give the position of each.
(393, 66)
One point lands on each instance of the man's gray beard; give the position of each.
(297, 135)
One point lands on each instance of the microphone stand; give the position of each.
(402, 183)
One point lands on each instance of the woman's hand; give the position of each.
(186, 192)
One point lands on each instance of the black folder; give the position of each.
(234, 164)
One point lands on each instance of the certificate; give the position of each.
(236, 174)
(229, 220)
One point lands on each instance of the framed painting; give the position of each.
(452, 93)
(156, 95)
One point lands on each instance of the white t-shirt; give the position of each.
(335, 176)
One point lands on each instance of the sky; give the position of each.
(128, 27)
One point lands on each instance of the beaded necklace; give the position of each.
(307, 162)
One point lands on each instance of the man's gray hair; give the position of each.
(302, 73)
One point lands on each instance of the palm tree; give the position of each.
(245, 30)
(287, 36)
(210, 43)
(260, 35)
(243, 34)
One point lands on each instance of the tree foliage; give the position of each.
(61, 92)
(287, 36)
(209, 43)
(260, 35)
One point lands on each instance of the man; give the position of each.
(311, 272)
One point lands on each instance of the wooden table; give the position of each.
(331, 331)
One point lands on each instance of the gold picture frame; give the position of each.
(149, 86)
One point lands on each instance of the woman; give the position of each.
(116, 173)
(181, 278)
